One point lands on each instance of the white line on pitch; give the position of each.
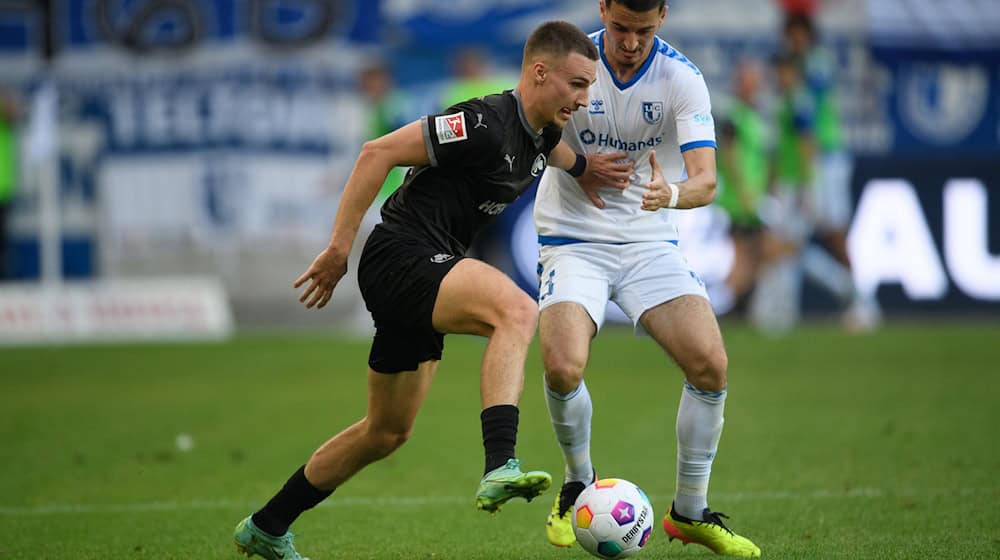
(420, 501)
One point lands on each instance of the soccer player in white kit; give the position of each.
(619, 242)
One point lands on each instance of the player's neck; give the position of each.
(530, 105)
(623, 73)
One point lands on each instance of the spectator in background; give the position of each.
(792, 211)
(744, 146)
(775, 303)
(830, 189)
(832, 192)
(9, 115)
(473, 76)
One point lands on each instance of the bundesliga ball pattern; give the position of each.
(612, 518)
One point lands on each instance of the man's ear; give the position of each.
(539, 72)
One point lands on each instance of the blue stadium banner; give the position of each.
(174, 26)
(234, 115)
(926, 233)
(943, 100)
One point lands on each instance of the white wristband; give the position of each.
(675, 193)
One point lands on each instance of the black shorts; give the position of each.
(399, 279)
(745, 229)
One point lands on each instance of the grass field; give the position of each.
(835, 446)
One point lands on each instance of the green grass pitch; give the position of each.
(835, 446)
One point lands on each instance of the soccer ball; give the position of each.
(612, 518)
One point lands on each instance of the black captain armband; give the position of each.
(579, 167)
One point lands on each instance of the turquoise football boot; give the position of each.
(506, 482)
(251, 540)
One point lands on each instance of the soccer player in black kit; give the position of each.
(468, 163)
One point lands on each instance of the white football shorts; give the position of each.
(636, 276)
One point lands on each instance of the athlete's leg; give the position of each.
(686, 328)
(475, 298)
(566, 330)
(744, 270)
(393, 402)
(575, 288)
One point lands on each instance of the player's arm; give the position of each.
(696, 136)
(403, 147)
(563, 157)
(697, 191)
(593, 171)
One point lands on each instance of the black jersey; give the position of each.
(483, 155)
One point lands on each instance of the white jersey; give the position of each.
(664, 107)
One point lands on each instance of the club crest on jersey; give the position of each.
(441, 258)
(450, 128)
(539, 165)
(652, 111)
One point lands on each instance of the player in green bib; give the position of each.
(743, 169)
(795, 119)
(830, 195)
(744, 176)
(473, 76)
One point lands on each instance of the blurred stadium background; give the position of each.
(207, 142)
(180, 162)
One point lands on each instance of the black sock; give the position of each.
(499, 434)
(296, 496)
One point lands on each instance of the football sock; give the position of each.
(571, 415)
(821, 267)
(699, 426)
(774, 302)
(296, 496)
(499, 434)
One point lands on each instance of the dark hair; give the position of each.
(559, 38)
(795, 20)
(638, 5)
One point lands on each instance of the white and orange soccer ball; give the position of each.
(612, 518)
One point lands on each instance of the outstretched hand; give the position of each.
(657, 193)
(323, 274)
(612, 170)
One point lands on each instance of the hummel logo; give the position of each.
(510, 161)
(479, 121)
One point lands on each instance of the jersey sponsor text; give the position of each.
(605, 140)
